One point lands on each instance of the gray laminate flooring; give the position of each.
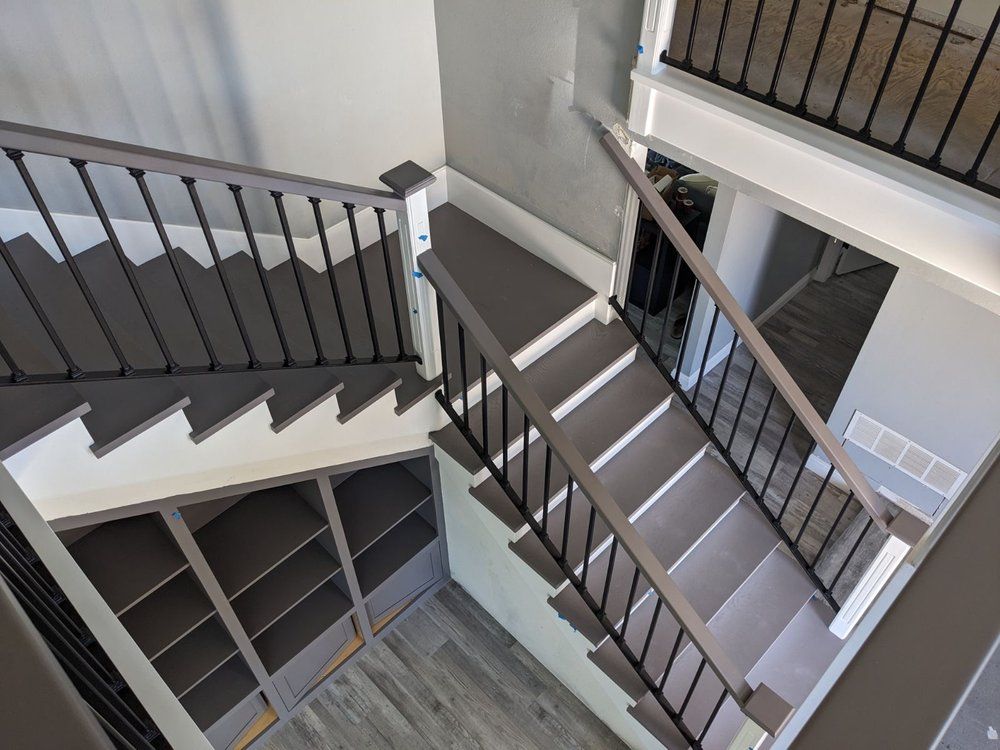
(449, 676)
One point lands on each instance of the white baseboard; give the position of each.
(553, 246)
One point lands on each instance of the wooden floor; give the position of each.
(448, 677)
(950, 74)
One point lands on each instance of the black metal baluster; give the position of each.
(485, 405)
(651, 281)
(524, 463)
(772, 91)
(800, 108)
(973, 174)
(704, 356)
(758, 13)
(711, 718)
(299, 281)
(16, 373)
(713, 74)
(566, 520)
(829, 534)
(607, 578)
(725, 377)
(369, 313)
(670, 304)
(694, 684)
(739, 410)
(795, 481)
(237, 192)
(168, 248)
(851, 62)
(380, 215)
(545, 490)
(935, 158)
(850, 554)
(671, 660)
(506, 438)
(587, 547)
(777, 457)
(22, 169)
(72, 371)
(760, 431)
(635, 254)
(688, 325)
(465, 375)
(649, 633)
(866, 130)
(628, 604)
(445, 377)
(126, 265)
(900, 145)
(334, 288)
(690, 40)
(812, 508)
(199, 211)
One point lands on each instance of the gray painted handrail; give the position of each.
(904, 525)
(35, 140)
(765, 707)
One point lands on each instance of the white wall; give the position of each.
(930, 370)
(341, 90)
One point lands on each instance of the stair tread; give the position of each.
(676, 522)
(651, 715)
(297, 391)
(555, 376)
(413, 389)
(632, 477)
(363, 386)
(32, 412)
(619, 406)
(708, 575)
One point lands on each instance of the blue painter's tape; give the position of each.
(418, 275)
(423, 237)
(640, 49)
(177, 515)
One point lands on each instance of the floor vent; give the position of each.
(919, 463)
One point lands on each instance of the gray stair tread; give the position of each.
(32, 412)
(593, 427)
(195, 656)
(218, 399)
(676, 522)
(633, 477)
(652, 716)
(791, 667)
(708, 575)
(363, 386)
(187, 604)
(127, 559)
(297, 391)
(247, 288)
(414, 388)
(556, 376)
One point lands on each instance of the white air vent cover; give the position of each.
(905, 455)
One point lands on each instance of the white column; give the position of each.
(888, 560)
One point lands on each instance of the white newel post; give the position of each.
(888, 560)
(410, 182)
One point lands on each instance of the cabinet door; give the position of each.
(227, 731)
(405, 584)
(302, 672)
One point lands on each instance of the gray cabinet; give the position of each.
(226, 733)
(419, 574)
(306, 669)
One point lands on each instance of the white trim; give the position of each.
(881, 569)
(555, 247)
(784, 299)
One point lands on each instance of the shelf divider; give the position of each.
(393, 550)
(372, 501)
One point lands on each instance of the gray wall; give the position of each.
(339, 90)
(525, 84)
(930, 370)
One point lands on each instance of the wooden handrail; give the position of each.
(763, 705)
(903, 524)
(31, 139)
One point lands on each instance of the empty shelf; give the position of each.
(392, 551)
(374, 500)
(167, 615)
(220, 692)
(302, 625)
(127, 559)
(284, 587)
(247, 540)
(195, 656)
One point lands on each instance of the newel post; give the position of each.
(410, 182)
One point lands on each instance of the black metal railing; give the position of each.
(21, 142)
(693, 676)
(700, 48)
(90, 670)
(758, 420)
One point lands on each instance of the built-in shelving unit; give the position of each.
(302, 573)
